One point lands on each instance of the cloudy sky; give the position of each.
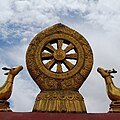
(97, 20)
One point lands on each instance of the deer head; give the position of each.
(106, 73)
(14, 71)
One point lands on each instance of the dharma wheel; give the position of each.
(59, 60)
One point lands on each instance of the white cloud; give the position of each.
(41, 13)
(24, 88)
(105, 13)
(97, 20)
(5, 11)
(23, 95)
(2, 76)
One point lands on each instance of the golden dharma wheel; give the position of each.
(59, 58)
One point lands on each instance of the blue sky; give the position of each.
(96, 20)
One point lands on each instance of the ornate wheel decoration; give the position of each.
(59, 53)
(59, 60)
(59, 56)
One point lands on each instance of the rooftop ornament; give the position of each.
(112, 91)
(59, 60)
(6, 89)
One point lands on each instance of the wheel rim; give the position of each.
(48, 53)
(46, 62)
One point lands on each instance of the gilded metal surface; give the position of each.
(4, 106)
(49, 60)
(6, 89)
(115, 107)
(60, 35)
(112, 91)
(60, 101)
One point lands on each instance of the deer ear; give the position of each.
(112, 76)
(5, 68)
(5, 73)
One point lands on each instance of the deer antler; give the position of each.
(112, 71)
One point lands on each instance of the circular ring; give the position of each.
(59, 53)
(71, 68)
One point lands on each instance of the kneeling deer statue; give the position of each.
(6, 89)
(113, 92)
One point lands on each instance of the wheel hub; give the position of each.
(59, 55)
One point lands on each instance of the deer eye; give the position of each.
(106, 71)
(13, 68)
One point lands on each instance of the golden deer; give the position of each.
(112, 91)
(6, 89)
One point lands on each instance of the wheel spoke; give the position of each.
(46, 55)
(72, 56)
(68, 64)
(68, 48)
(59, 68)
(50, 47)
(50, 64)
(60, 42)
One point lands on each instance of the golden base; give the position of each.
(59, 101)
(115, 107)
(4, 106)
